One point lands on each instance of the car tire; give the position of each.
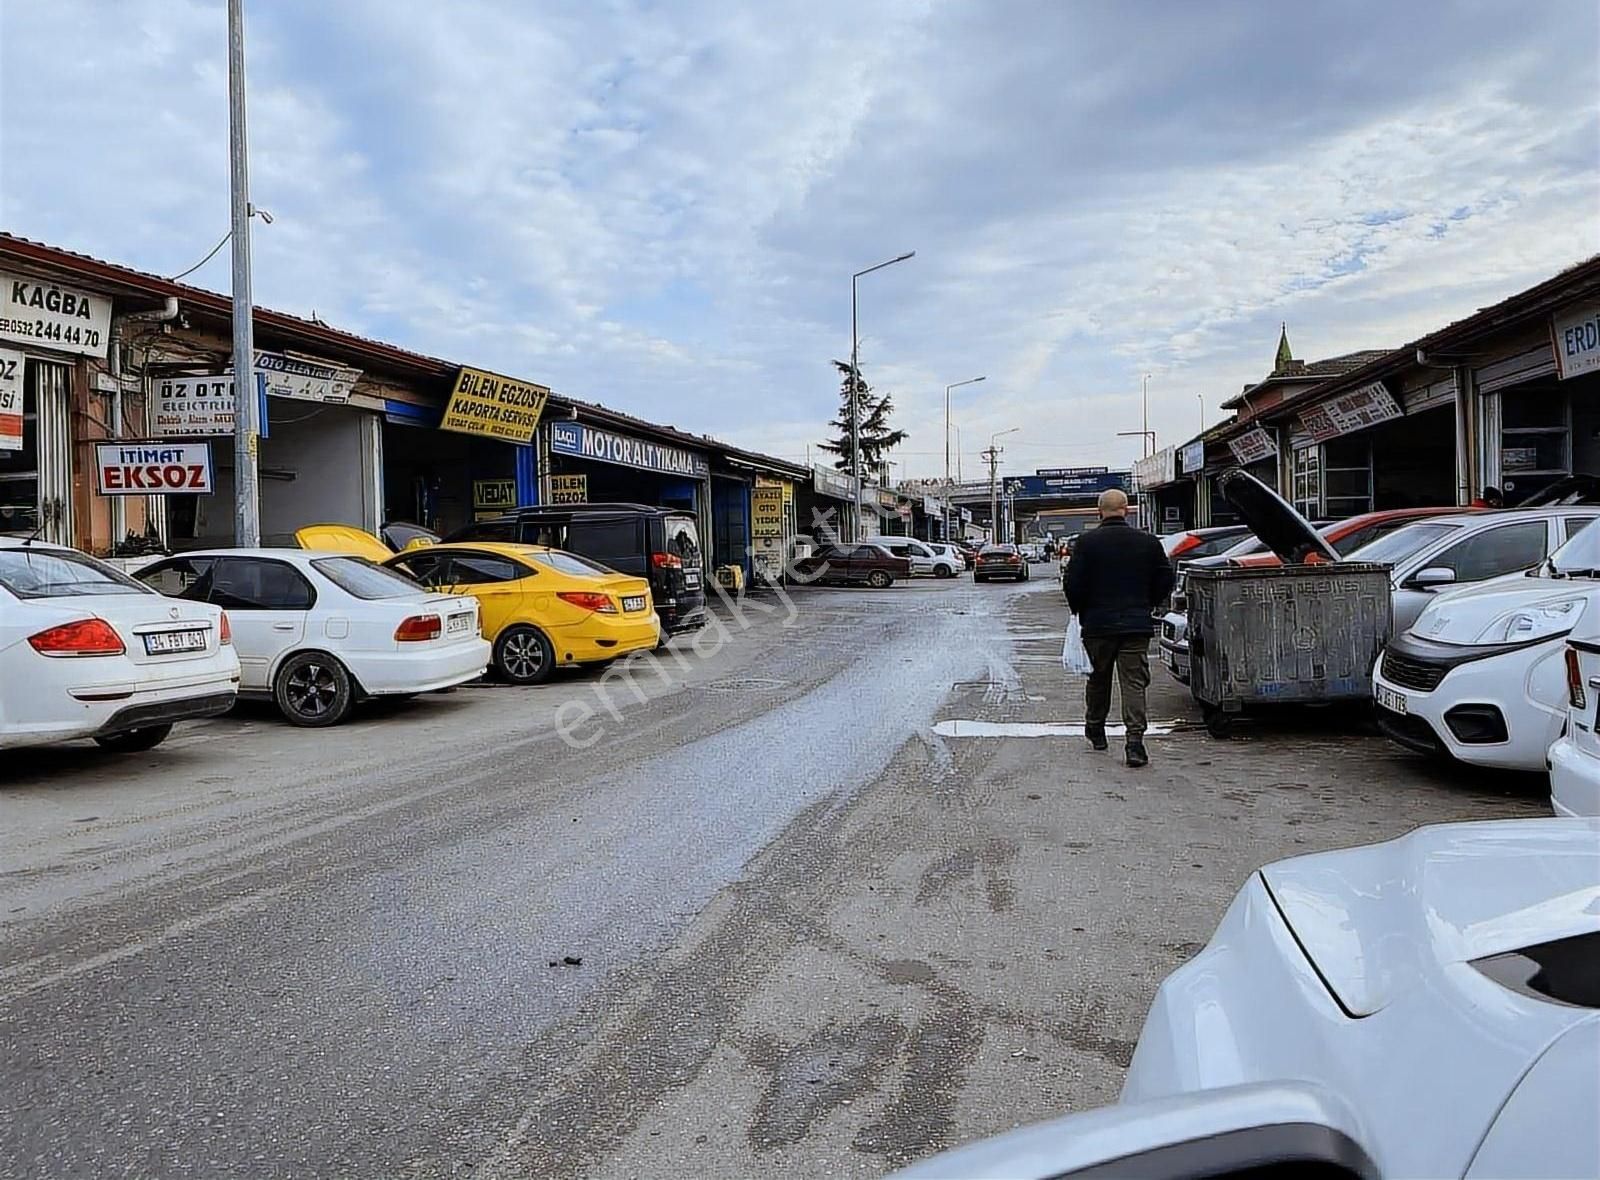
(524, 655)
(879, 580)
(135, 741)
(313, 690)
(944, 571)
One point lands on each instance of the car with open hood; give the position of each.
(540, 608)
(1481, 675)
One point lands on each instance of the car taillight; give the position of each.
(86, 637)
(1576, 697)
(419, 628)
(226, 630)
(589, 600)
(665, 561)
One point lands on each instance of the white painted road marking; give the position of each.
(1031, 729)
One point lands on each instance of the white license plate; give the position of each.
(166, 642)
(691, 579)
(633, 602)
(460, 624)
(1393, 701)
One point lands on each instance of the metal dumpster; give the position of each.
(1285, 634)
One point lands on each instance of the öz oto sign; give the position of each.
(152, 468)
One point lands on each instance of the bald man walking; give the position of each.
(1117, 576)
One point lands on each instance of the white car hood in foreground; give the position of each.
(1460, 616)
(1380, 919)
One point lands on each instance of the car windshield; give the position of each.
(1395, 547)
(571, 563)
(358, 576)
(1580, 555)
(683, 538)
(61, 573)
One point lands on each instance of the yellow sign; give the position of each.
(493, 406)
(569, 489)
(494, 493)
(766, 512)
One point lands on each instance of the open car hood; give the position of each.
(1273, 519)
(343, 538)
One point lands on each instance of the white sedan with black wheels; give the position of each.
(87, 652)
(317, 632)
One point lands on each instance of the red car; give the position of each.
(1000, 561)
(1346, 536)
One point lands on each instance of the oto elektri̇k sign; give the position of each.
(152, 468)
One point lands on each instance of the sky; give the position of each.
(657, 205)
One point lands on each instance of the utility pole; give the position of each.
(993, 456)
(855, 385)
(246, 413)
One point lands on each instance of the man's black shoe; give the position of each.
(1136, 754)
(1096, 735)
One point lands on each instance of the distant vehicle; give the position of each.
(88, 652)
(968, 551)
(316, 632)
(851, 565)
(948, 561)
(1482, 674)
(918, 556)
(659, 544)
(1421, 1007)
(540, 608)
(1207, 542)
(1000, 561)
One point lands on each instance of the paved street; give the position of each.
(808, 935)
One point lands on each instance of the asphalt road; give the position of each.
(813, 936)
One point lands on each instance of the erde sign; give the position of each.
(1576, 338)
(152, 468)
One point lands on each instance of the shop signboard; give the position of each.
(492, 406)
(192, 405)
(1155, 470)
(766, 530)
(1349, 412)
(52, 316)
(1063, 471)
(1193, 457)
(833, 483)
(1252, 446)
(1576, 339)
(304, 378)
(569, 489)
(1087, 484)
(494, 495)
(153, 467)
(588, 442)
(10, 400)
(1519, 458)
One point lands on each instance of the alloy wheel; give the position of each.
(312, 690)
(523, 655)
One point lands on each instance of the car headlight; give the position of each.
(1534, 622)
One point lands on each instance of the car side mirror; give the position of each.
(1432, 577)
(1277, 1129)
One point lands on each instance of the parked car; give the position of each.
(968, 551)
(948, 561)
(316, 632)
(1420, 1007)
(851, 565)
(540, 608)
(88, 652)
(1208, 542)
(661, 545)
(1000, 561)
(1481, 675)
(1574, 757)
(918, 556)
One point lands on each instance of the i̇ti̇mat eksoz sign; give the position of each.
(493, 406)
(146, 468)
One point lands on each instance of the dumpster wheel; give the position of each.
(1218, 723)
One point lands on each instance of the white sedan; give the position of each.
(1575, 756)
(87, 652)
(316, 632)
(1429, 1006)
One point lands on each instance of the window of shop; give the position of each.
(1346, 478)
(1308, 481)
(1535, 444)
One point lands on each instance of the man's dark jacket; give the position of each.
(1117, 575)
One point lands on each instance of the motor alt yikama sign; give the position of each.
(52, 316)
(1252, 447)
(1349, 412)
(1575, 336)
(492, 406)
(152, 468)
(569, 489)
(586, 442)
(10, 400)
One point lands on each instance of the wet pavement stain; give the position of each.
(920, 1116)
(815, 1077)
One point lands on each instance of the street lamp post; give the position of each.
(993, 456)
(855, 383)
(947, 389)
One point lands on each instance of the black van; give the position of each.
(661, 544)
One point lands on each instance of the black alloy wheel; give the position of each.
(523, 655)
(313, 690)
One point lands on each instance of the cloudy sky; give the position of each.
(657, 204)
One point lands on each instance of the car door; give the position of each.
(498, 583)
(269, 604)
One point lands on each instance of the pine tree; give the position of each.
(873, 412)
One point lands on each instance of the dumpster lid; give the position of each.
(1273, 519)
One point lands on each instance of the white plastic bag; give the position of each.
(1074, 657)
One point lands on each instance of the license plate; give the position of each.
(633, 602)
(460, 624)
(691, 578)
(166, 642)
(1393, 701)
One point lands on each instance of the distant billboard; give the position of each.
(1088, 483)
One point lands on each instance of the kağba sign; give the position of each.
(52, 316)
(492, 406)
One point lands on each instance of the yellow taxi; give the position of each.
(540, 607)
